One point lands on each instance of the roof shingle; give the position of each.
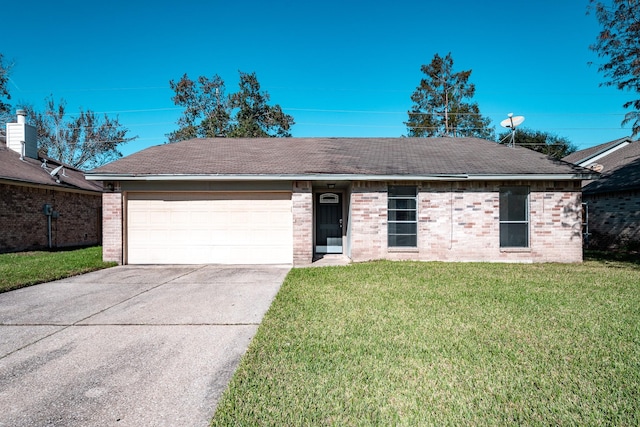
(30, 171)
(336, 156)
(582, 155)
(620, 171)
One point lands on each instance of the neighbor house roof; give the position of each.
(347, 158)
(30, 171)
(619, 164)
(591, 154)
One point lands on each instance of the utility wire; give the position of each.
(323, 110)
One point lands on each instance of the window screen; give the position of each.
(402, 216)
(514, 217)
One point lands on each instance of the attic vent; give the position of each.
(328, 198)
(596, 167)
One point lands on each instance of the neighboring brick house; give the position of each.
(293, 200)
(43, 205)
(613, 200)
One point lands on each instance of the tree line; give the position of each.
(443, 103)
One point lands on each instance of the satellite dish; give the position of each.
(55, 171)
(596, 167)
(511, 122)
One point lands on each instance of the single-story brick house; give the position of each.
(288, 200)
(613, 200)
(43, 204)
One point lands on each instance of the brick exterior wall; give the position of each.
(614, 220)
(24, 226)
(302, 202)
(113, 221)
(457, 221)
(460, 222)
(368, 221)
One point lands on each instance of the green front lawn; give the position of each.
(28, 268)
(406, 343)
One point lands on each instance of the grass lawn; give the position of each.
(22, 269)
(406, 343)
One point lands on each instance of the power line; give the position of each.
(406, 114)
(436, 128)
(142, 110)
(348, 111)
(105, 89)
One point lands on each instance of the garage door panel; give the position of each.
(199, 217)
(200, 228)
(195, 238)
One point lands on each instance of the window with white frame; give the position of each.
(514, 217)
(402, 218)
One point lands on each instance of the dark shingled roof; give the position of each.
(30, 171)
(336, 156)
(582, 155)
(620, 171)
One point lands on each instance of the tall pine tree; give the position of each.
(442, 104)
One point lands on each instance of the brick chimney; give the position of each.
(21, 137)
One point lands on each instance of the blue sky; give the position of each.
(341, 68)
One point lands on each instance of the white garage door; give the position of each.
(209, 228)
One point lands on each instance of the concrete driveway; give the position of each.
(130, 345)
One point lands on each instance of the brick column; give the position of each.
(368, 221)
(302, 208)
(112, 222)
(556, 224)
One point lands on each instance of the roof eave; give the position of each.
(55, 187)
(614, 145)
(340, 177)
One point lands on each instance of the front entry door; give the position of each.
(328, 223)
